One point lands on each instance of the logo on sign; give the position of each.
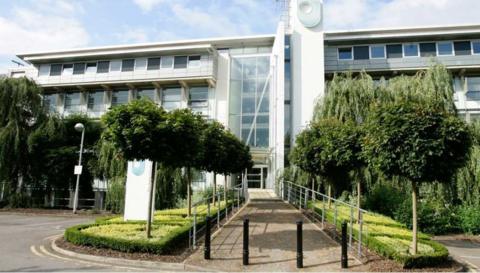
(138, 168)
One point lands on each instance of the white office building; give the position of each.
(263, 88)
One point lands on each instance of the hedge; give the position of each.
(165, 245)
(381, 226)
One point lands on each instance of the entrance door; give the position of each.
(256, 177)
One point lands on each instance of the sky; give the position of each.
(39, 25)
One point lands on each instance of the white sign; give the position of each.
(137, 189)
(78, 170)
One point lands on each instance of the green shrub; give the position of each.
(384, 198)
(115, 199)
(469, 219)
(433, 217)
(170, 241)
(389, 238)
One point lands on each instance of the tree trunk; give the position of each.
(150, 200)
(359, 196)
(414, 214)
(329, 195)
(19, 184)
(189, 194)
(313, 188)
(214, 187)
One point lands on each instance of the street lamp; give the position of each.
(79, 127)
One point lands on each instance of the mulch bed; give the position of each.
(178, 256)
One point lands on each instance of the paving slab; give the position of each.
(272, 241)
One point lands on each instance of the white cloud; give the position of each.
(351, 14)
(31, 29)
(148, 5)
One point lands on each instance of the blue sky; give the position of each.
(38, 25)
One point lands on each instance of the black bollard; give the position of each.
(245, 241)
(207, 239)
(299, 245)
(344, 245)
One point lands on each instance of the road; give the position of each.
(25, 238)
(463, 250)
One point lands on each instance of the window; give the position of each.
(44, 70)
(153, 64)
(67, 69)
(140, 64)
(180, 62)
(115, 66)
(394, 51)
(410, 50)
(50, 103)
(128, 65)
(377, 52)
(198, 100)
(462, 48)
(148, 93)
(473, 88)
(95, 102)
(72, 102)
(91, 68)
(171, 98)
(345, 53)
(194, 61)
(445, 48)
(55, 70)
(476, 47)
(119, 97)
(167, 62)
(428, 50)
(102, 66)
(78, 68)
(361, 53)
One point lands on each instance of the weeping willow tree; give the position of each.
(468, 177)
(21, 113)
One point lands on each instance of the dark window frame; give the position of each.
(128, 65)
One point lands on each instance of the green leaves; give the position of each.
(419, 142)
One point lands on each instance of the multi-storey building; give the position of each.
(263, 88)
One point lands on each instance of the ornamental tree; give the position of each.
(140, 131)
(419, 142)
(330, 149)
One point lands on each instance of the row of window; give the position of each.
(96, 101)
(126, 65)
(392, 51)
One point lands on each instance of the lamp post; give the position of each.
(79, 127)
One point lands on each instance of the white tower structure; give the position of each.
(307, 49)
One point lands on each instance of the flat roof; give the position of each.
(196, 45)
(386, 34)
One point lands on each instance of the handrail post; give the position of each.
(299, 199)
(335, 215)
(351, 227)
(226, 204)
(344, 258)
(208, 207)
(323, 211)
(194, 227)
(306, 199)
(218, 210)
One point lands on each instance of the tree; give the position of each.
(213, 157)
(184, 143)
(419, 142)
(140, 131)
(330, 149)
(21, 113)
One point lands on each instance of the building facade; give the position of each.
(263, 88)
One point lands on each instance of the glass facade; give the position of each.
(50, 103)
(72, 102)
(249, 91)
(198, 99)
(171, 98)
(95, 102)
(119, 97)
(148, 93)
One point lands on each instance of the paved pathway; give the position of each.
(463, 250)
(272, 241)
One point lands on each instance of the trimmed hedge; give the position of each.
(178, 237)
(381, 226)
(165, 245)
